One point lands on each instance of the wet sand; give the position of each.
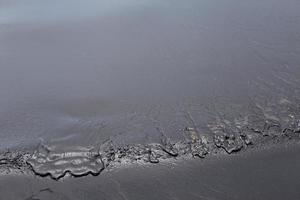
(129, 71)
(93, 87)
(271, 173)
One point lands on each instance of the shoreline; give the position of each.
(261, 173)
(46, 161)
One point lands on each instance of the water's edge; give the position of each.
(79, 161)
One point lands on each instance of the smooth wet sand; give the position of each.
(81, 72)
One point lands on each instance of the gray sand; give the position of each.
(271, 173)
(92, 86)
(120, 70)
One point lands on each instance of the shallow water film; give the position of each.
(89, 87)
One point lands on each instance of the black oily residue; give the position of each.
(78, 162)
(13, 160)
(227, 135)
(267, 122)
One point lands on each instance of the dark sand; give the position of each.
(88, 84)
(82, 72)
(271, 173)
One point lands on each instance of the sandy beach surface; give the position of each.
(271, 173)
(140, 99)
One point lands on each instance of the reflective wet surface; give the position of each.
(96, 83)
(267, 174)
(85, 72)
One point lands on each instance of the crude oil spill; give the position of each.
(48, 162)
(80, 162)
(272, 173)
(111, 83)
